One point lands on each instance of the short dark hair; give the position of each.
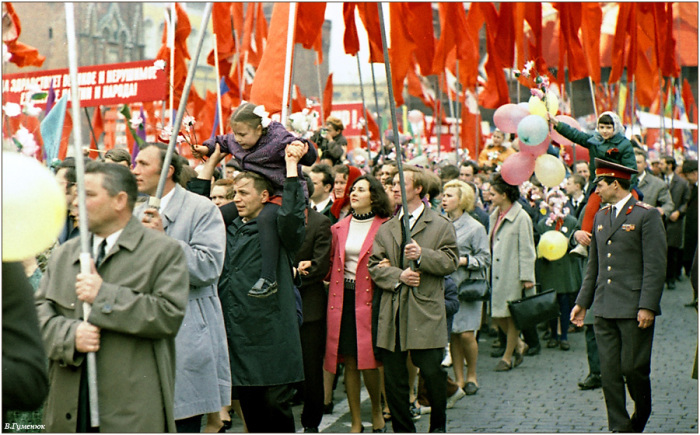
(117, 178)
(640, 152)
(670, 161)
(69, 165)
(473, 165)
(341, 169)
(449, 172)
(326, 171)
(624, 184)
(175, 161)
(499, 185)
(118, 155)
(578, 179)
(606, 120)
(260, 182)
(378, 197)
(689, 166)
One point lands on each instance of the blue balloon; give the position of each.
(532, 130)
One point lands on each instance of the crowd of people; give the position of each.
(253, 285)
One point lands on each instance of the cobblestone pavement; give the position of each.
(542, 396)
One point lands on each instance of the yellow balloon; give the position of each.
(33, 207)
(552, 103)
(537, 107)
(549, 170)
(553, 245)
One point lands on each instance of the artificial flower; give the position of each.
(136, 121)
(159, 64)
(188, 122)
(6, 55)
(31, 110)
(26, 144)
(12, 109)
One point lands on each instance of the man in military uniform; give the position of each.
(625, 276)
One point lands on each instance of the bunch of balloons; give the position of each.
(528, 120)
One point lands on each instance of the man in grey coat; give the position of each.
(138, 290)
(655, 191)
(412, 305)
(203, 379)
(625, 277)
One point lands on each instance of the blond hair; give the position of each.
(464, 192)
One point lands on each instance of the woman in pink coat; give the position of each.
(349, 336)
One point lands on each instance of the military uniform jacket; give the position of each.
(421, 310)
(139, 309)
(263, 333)
(626, 263)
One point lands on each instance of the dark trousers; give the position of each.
(313, 345)
(530, 337)
(267, 409)
(592, 351)
(189, 424)
(674, 263)
(625, 356)
(397, 389)
(563, 320)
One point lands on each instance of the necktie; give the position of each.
(100, 253)
(314, 208)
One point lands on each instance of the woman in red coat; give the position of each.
(349, 336)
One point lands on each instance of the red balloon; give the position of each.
(536, 150)
(518, 168)
(561, 140)
(508, 116)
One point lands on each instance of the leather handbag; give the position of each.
(529, 311)
(471, 290)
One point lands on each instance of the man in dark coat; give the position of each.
(312, 262)
(680, 193)
(323, 180)
(625, 277)
(263, 333)
(690, 244)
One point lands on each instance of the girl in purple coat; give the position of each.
(259, 146)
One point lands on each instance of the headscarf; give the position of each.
(618, 128)
(338, 204)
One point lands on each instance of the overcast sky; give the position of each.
(343, 66)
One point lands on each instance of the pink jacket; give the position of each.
(363, 297)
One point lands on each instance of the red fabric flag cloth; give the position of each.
(419, 25)
(591, 20)
(328, 97)
(496, 91)
(22, 54)
(65, 136)
(455, 32)
(182, 31)
(369, 14)
(98, 127)
(647, 67)
(268, 85)
(505, 36)
(570, 23)
(532, 14)
(372, 125)
(665, 40)
(621, 32)
(299, 100)
(223, 28)
(470, 133)
(309, 26)
(351, 41)
(419, 87)
(401, 51)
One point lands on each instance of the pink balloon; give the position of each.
(561, 140)
(508, 116)
(536, 150)
(518, 168)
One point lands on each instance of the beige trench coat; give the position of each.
(421, 310)
(139, 308)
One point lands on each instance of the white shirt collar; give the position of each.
(166, 199)
(642, 176)
(618, 205)
(415, 215)
(111, 240)
(321, 205)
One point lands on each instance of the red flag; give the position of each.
(647, 67)
(455, 32)
(402, 47)
(570, 23)
(182, 31)
(505, 36)
(65, 136)
(419, 87)
(496, 92)
(22, 54)
(665, 41)
(351, 41)
(369, 14)
(268, 85)
(532, 14)
(299, 100)
(223, 17)
(371, 125)
(98, 127)
(328, 97)
(309, 23)
(470, 132)
(591, 20)
(621, 32)
(419, 25)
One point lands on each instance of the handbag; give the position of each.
(529, 311)
(471, 290)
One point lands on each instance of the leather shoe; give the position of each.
(533, 350)
(564, 345)
(470, 389)
(328, 408)
(263, 288)
(591, 382)
(503, 366)
(670, 285)
(553, 342)
(518, 358)
(311, 430)
(498, 352)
